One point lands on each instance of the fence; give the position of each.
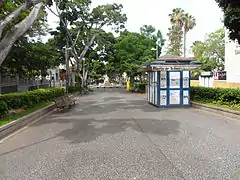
(18, 84)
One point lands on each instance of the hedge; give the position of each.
(223, 96)
(75, 88)
(139, 87)
(27, 98)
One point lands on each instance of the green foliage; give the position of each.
(211, 51)
(231, 9)
(181, 24)
(223, 96)
(3, 108)
(150, 32)
(39, 27)
(132, 50)
(140, 87)
(32, 58)
(75, 88)
(30, 98)
(175, 37)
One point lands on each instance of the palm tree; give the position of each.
(175, 32)
(181, 21)
(189, 22)
(176, 17)
(175, 37)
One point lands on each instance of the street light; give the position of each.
(156, 49)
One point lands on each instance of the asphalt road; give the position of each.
(117, 136)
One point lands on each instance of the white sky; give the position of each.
(155, 12)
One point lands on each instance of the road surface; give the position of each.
(118, 136)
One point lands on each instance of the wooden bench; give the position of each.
(65, 101)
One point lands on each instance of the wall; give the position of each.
(224, 84)
(220, 84)
(194, 82)
(232, 60)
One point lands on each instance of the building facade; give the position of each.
(232, 60)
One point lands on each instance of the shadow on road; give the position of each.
(89, 120)
(87, 130)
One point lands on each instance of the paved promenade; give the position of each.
(118, 136)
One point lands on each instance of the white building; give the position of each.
(232, 60)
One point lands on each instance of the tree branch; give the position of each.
(17, 31)
(87, 47)
(52, 11)
(15, 14)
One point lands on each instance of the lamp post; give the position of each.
(156, 49)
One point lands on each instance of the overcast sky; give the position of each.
(155, 12)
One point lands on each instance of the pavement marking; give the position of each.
(25, 127)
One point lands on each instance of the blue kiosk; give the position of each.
(169, 80)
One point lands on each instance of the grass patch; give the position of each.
(229, 107)
(9, 118)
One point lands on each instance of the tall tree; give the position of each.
(175, 39)
(150, 32)
(231, 9)
(181, 23)
(82, 25)
(188, 23)
(176, 31)
(132, 50)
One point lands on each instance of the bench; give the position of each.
(65, 101)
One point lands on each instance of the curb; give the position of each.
(21, 122)
(216, 109)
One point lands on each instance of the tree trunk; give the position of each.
(83, 53)
(17, 31)
(185, 42)
(67, 67)
(15, 14)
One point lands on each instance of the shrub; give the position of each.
(29, 98)
(3, 108)
(75, 88)
(224, 96)
(140, 87)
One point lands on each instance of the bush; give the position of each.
(3, 108)
(140, 87)
(224, 96)
(75, 88)
(30, 98)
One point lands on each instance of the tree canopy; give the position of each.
(211, 51)
(231, 9)
(132, 50)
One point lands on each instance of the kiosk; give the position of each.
(169, 80)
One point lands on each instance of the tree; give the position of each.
(31, 58)
(181, 23)
(188, 23)
(133, 50)
(82, 25)
(176, 31)
(175, 38)
(231, 9)
(211, 51)
(16, 18)
(150, 32)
